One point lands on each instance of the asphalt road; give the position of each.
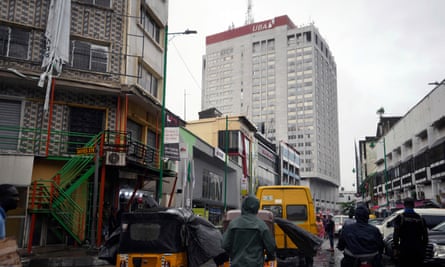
(324, 258)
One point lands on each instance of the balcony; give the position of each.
(64, 145)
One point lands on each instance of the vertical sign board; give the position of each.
(171, 137)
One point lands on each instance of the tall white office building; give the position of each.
(284, 79)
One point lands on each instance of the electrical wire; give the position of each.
(186, 66)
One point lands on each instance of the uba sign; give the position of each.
(263, 26)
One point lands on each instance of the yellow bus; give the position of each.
(290, 202)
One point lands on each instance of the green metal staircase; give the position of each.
(54, 196)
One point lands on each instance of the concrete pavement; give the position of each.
(61, 256)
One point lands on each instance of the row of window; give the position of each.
(16, 43)
(263, 46)
(299, 38)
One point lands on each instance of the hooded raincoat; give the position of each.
(360, 238)
(247, 237)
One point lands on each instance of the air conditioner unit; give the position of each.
(169, 165)
(115, 158)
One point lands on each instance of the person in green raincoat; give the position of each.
(248, 237)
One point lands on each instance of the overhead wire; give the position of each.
(187, 67)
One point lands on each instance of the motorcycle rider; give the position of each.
(361, 240)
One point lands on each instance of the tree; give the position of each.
(380, 111)
(347, 206)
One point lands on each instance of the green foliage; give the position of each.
(347, 207)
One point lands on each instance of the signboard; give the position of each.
(85, 150)
(171, 143)
(183, 152)
(171, 137)
(219, 153)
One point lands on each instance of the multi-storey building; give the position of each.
(283, 78)
(233, 135)
(82, 145)
(289, 164)
(407, 157)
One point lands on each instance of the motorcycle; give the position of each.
(361, 260)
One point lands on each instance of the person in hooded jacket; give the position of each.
(247, 237)
(360, 239)
(410, 236)
(9, 198)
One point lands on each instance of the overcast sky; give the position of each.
(386, 53)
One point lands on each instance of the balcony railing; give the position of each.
(35, 141)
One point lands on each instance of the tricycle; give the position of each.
(164, 238)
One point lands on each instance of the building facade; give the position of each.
(406, 159)
(283, 78)
(205, 183)
(233, 135)
(265, 170)
(77, 137)
(289, 161)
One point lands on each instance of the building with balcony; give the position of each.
(89, 133)
(406, 159)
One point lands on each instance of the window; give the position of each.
(148, 81)
(275, 209)
(150, 25)
(10, 113)
(88, 56)
(296, 212)
(212, 185)
(234, 141)
(103, 3)
(14, 42)
(77, 118)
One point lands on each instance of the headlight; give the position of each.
(438, 251)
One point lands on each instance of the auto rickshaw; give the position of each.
(166, 238)
(265, 215)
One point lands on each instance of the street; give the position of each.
(324, 258)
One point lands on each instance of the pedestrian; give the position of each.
(9, 198)
(320, 227)
(361, 239)
(410, 236)
(330, 229)
(325, 221)
(247, 237)
(350, 218)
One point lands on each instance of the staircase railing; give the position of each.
(54, 196)
(68, 214)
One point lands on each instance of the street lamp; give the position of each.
(161, 156)
(437, 83)
(386, 169)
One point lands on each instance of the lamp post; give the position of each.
(161, 155)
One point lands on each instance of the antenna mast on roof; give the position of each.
(249, 15)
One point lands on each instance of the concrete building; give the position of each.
(76, 139)
(204, 182)
(289, 162)
(406, 159)
(234, 135)
(265, 170)
(283, 78)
